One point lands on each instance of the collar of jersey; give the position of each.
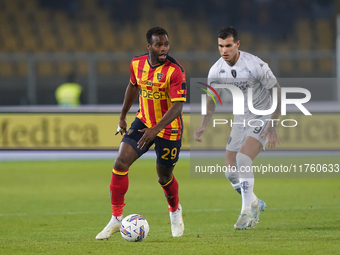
(155, 66)
(235, 65)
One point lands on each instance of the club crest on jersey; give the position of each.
(233, 73)
(159, 76)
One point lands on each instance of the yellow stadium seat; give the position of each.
(68, 38)
(304, 34)
(25, 29)
(10, 42)
(82, 67)
(185, 36)
(263, 44)
(142, 28)
(304, 43)
(45, 68)
(22, 68)
(107, 38)
(105, 67)
(87, 37)
(204, 66)
(67, 35)
(6, 69)
(30, 5)
(124, 67)
(205, 40)
(324, 34)
(187, 65)
(127, 37)
(11, 5)
(101, 16)
(305, 66)
(28, 39)
(89, 5)
(49, 42)
(4, 19)
(162, 20)
(326, 65)
(60, 17)
(247, 41)
(64, 67)
(286, 65)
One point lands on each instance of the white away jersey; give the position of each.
(248, 72)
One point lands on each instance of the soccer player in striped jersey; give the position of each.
(160, 82)
(244, 70)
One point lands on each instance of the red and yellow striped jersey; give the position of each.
(159, 86)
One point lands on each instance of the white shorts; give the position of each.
(255, 128)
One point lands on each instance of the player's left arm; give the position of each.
(271, 131)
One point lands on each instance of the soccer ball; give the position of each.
(134, 228)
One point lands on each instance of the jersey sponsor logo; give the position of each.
(243, 85)
(181, 91)
(142, 71)
(150, 83)
(222, 71)
(153, 94)
(233, 73)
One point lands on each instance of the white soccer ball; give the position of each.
(134, 228)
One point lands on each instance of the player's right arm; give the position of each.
(131, 93)
(213, 73)
(205, 120)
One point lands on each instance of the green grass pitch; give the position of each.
(51, 207)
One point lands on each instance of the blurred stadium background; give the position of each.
(57, 207)
(42, 41)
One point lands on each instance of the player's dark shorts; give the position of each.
(167, 151)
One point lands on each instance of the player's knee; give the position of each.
(243, 159)
(163, 179)
(120, 164)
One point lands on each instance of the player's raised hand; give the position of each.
(198, 133)
(271, 133)
(121, 127)
(148, 136)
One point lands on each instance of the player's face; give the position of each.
(159, 49)
(229, 49)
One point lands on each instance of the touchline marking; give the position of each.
(189, 211)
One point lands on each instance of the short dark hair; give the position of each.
(225, 32)
(155, 31)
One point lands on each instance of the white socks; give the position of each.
(246, 177)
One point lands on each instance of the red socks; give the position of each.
(171, 193)
(118, 187)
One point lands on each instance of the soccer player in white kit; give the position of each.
(244, 70)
